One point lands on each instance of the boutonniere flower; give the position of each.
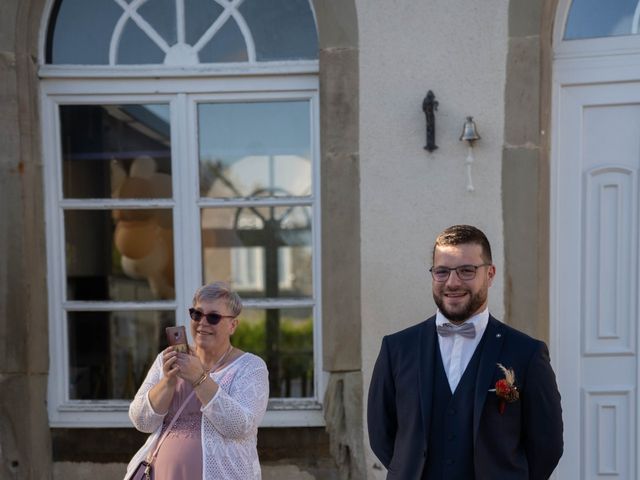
(506, 388)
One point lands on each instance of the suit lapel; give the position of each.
(494, 337)
(426, 370)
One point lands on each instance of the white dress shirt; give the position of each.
(457, 350)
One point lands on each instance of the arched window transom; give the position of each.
(181, 32)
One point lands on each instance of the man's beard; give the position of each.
(474, 303)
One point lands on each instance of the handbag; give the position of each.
(144, 470)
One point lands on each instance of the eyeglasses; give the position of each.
(213, 318)
(464, 272)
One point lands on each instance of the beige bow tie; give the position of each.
(466, 330)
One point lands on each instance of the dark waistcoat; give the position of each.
(450, 451)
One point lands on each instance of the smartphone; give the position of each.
(177, 338)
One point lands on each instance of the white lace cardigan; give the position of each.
(229, 421)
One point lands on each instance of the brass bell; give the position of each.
(469, 131)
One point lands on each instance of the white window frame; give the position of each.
(185, 204)
(579, 48)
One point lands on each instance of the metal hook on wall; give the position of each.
(429, 106)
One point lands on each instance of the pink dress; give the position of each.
(228, 426)
(180, 455)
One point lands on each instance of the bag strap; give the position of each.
(152, 457)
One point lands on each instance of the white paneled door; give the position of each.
(594, 273)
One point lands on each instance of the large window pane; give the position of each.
(116, 151)
(284, 339)
(262, 251)
(111, 352)
(254, 149)
(119, 255)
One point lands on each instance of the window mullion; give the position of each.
(110, 204)
(184, 229)
(255, 201)
(320, 378)
(109, 305)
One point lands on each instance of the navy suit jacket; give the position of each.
(524, 442)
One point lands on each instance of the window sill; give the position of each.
(87, 414)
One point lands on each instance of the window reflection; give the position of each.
(111, 352)
(92, 22)
(120, 255)
(284, 339)
(137, 47)
(120, 151)
(282, 29)
(263, 251)
(254, 149)
(227, 45)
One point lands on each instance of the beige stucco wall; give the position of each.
(408, 195)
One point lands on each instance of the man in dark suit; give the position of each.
(462, 396)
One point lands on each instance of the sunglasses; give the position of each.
(213, 318)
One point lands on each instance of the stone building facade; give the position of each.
(382, 199)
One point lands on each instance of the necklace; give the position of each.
(221, 359)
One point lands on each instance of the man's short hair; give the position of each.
(461, 234)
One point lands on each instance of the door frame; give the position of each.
(588, 62)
